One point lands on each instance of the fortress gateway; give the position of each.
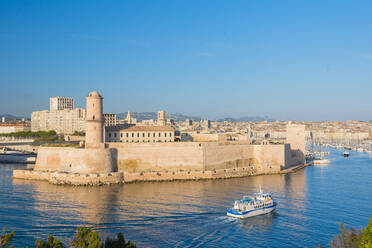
(102, 162)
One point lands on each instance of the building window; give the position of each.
(115, 135)
(109, 135)
(137, 135)
(159, 134)
(121, 135)
(153, 135)
(143, 134)
(170, 134)
(127, 135)
(165, 134)
(148, 134)
(132, 135)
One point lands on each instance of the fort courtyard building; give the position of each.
(139, 134)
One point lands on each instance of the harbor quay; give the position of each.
(100, 162)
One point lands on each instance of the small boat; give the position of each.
(345, 154)
(261, 203)
(321, 161)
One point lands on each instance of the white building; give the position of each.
(139, 134)
(13, 127)
(62, 121)
(61, 103)
(110, 119)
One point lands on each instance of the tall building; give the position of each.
(62, 121)
(61, 103)
(161, 118)
(206, 124)
(61, 117)
(110, 119)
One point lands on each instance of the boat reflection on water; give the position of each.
(260, 223)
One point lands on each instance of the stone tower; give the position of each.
(94, 121)
(296, 138)
(161, 118)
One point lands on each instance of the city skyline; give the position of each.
(287, 60)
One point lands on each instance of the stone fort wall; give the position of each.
(75, 160)
(162, 157)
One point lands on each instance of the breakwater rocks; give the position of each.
(71, 178)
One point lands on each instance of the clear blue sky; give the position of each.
(306, 60)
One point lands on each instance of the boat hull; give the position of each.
(321, 161)
(250, 213)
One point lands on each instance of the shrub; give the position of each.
(347, 238)
(366, 240)
(52, 242)
(84, 238)
(6, 239)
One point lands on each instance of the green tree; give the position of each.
(86, 238)
(118, 242)
(366, 241)
(6, 239)
(52, 242)
(348, 238)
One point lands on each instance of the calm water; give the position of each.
(192, 214)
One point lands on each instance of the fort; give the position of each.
(101, 162)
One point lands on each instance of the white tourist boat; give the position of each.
(260, 203)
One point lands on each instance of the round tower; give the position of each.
(94, 120)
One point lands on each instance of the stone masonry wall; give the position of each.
(164, 157)
(76, 160)
(147, 157)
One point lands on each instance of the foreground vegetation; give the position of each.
(353, 238)
(84, 238)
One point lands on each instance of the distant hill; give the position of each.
(9, 117)
(153, 115)
(249, 119)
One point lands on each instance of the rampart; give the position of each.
(207, 156)
(75, 160)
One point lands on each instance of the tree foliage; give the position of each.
(84, 238)
(52, 242)
(6, 239)
(118, 242)
(30, 134)
(348, 238)
(366, 240)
